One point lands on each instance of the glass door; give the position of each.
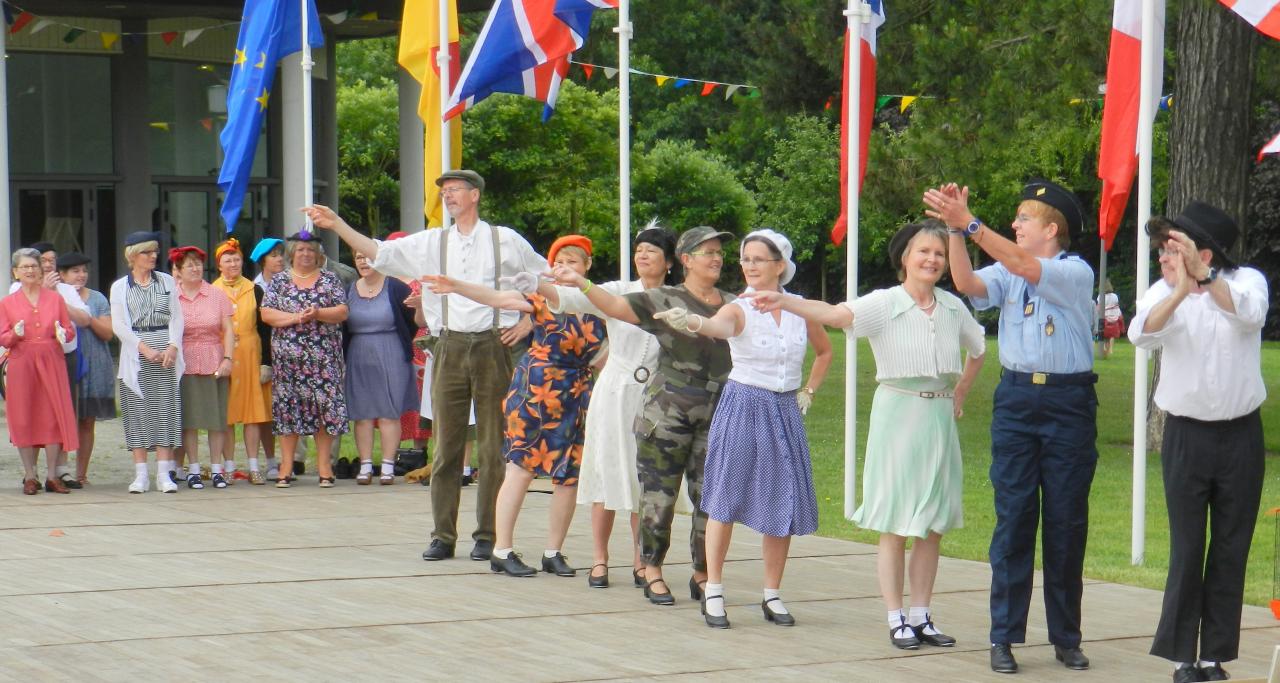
(65, 215)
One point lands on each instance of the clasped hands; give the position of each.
(1188, 265)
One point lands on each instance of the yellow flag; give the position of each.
(907, 101)
(419, 41)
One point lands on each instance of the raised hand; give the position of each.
(322, 216)
(439, 284)
(950, 204)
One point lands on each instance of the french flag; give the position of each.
(1118, 149)
(1263, 14)
(866, 107)
(523, 49)
(1272, 147)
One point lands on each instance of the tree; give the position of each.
(369, 154)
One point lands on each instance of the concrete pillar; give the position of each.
(129, 95)
(326, 146)
(6, 243)
(412, 193)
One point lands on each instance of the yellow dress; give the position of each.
(250, 400)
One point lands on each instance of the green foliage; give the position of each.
(368, 154)
(794, 189)
(684, 187)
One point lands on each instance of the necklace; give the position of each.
(706, 298)
(932, 302)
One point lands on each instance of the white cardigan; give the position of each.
(122, 325)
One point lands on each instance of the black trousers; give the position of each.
(1213, 474)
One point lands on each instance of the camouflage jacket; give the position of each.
(692, 355)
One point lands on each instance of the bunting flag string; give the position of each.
(661, 80)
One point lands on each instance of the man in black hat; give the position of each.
(472, 357)
(1206, 315)
(1044, 418)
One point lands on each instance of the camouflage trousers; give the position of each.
(671, 441)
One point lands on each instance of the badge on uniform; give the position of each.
(1048, 327)
(1028, 309)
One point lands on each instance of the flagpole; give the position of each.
(1146, 121)
(308, 171)
(5, 234)
(624, 139)
(446, 128)
(857, 14)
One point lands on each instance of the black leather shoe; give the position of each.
(1071, 657)
(637, 577)
(558, 565)
(438, 550)
(1002, 661)
(936, 639)
(712, 620)
(601, 581)
(779, 618)
(665, 599)
(1213, 673)
(482, 550)
(908, 639)
(1189, 674)
(511, 566)
(70, 482)
(695, 588)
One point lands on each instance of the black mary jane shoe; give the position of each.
(70, 482)
(664, 599)
(637, 578)
(712, 620)
(512, 565)
(936, 639)
(558, 565)
(779, 618)
(601, 581)
(1071, 657)
(908, 641)
(695, 588)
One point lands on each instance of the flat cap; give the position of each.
(691, 238)
(466, 175)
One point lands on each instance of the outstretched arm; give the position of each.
(506, 299)
(615, 307)
(727, 322)
(815, 311)
(327, 219)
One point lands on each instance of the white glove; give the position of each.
(525, 283)
(264, 374)
(20, 328)
(60, 333)
(805, 400)
(679, 319)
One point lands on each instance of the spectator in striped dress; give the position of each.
(147, 318)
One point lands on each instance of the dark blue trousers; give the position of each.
(1043, 457)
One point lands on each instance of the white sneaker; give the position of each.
(165, 485)
(273, 474)
(139, 485)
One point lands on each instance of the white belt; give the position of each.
(921, 394)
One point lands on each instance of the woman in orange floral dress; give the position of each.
(546, 407)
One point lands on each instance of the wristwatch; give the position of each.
(1208, 279)
(972, 228)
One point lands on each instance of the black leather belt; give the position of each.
(1050, 379)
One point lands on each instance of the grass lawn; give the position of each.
(1110, 503)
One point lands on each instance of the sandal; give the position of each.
(387, 479)
(283, 482)
(364, 478)
(326, 482)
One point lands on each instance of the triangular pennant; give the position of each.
(907, 100)
(72, 35)
(610, 72)
(190, 37)
(681, 82)
(587, 69)
(338, 17)
(41, 25)
(1075, 101)
(728, 92)
(753, 93)
(8, 13)
(207, 124)
(160, 125)
(707, 88)
(22, 20)
(168, 37)
(109, 39)
(882, 100)
(827, 106)
(369, 16)
(662, 80)
(1166, 103)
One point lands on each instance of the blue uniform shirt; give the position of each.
(1063, 298)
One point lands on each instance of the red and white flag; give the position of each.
(1118, 149)
(866, 107)
(1263, 14)
(1272, 147)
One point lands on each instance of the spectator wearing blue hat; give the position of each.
(1044, 421)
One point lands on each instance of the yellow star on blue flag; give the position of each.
(270, 29)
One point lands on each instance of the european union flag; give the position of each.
(269, 30)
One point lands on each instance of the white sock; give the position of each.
(1206, 663)
(166, 466)
(140, 471)
(230, 466)
(217, 469)
(1182, 665)
(501, 553)
(253, 465)
(919, 616)
(467, 471)
(193, 468)
(715, 608)
(776, 605)
(388, 468)
(273, 464)
(550, 553)
(63, 469)
(366, 467)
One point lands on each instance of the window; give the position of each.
(59, 113)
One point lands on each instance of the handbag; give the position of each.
(409, 459)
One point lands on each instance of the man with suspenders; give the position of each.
(473, 360)
(1044, 415)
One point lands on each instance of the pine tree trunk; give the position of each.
(1209, 153)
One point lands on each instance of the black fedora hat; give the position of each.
(1207, 225)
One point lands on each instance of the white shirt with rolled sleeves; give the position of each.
(1211, 367)
(768, 354)
(72, 298)
(470, 260)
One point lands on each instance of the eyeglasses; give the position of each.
(28, 266)
(757, 261)
(718, 253)
(1166, 252)
(450, 191)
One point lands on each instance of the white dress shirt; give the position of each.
(72, 298)
(470, 260)
(768, 354)
(1211, 367)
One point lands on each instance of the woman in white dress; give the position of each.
(608, 479)
(912, 480)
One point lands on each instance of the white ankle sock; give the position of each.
(501, 553)
(140, 470)
(896, 618)
(388, 468)
(63, 469)
(216, 469)
(467, 471)
(1204, 663)
(366, 467)
(918, 616)
(1182, 665)
(550, 553)
(715, 607)
(193, 468)
(273, 464)
(229, 466)
(777, 605)
(166, 466)
(253, 465)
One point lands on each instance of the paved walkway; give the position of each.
(311, 584)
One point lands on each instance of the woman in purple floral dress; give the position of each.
(306, 307)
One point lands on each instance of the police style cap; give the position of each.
(470, 177)
(1060, 198)
(42, 247)
(1207, 225)
(71, 260)
(691, 238)
(139, 237)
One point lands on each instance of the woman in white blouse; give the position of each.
(912, 482)
(757, 470)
